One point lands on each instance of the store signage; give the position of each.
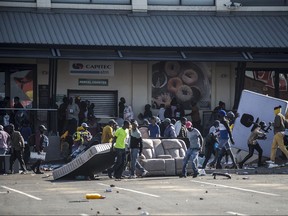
(101, 68)
(93, 82)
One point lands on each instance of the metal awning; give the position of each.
(143, 55)
(179, 36)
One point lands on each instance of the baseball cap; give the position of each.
(188, 124)
(167, 120)
(278, 107)
(135, 123)
(85, 125)
(42, 127)
(222, 113)
(112, 121)
(157, 120)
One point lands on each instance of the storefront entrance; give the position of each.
(105, 101)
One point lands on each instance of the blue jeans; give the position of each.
(134, 163)
(118, 166)
(225, 147)
(191, 154)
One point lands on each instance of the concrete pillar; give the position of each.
(43, 3)
(139, 87)
(139, 5)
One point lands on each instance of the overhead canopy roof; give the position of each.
(181, 32)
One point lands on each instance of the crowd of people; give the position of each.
(17, 137)
(218, 141)
(19, 145)
(79, 130)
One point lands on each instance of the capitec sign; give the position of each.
(101, 68)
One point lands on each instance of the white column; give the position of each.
(220, 5)
(140, 87)
(43, 3)
(139, 5)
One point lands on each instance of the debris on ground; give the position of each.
(50, 167)
(201, 198)
(214, 174)
(77, 201)
(94, 196)
(47, 176)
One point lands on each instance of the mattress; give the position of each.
(94, 160)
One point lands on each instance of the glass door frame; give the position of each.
(9, 68)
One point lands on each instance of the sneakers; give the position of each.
(144, 173)
(195, 174)
(132, 177)
(24, 172)
(270, 162)
(182, 176)
(10, 172)
(273, 165)
(109, 172)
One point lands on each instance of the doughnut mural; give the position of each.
(186, 81)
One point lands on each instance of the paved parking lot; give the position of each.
(242, 195)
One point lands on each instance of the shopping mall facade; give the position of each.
(145, 51)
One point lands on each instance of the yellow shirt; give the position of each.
(121, 135)
(107, 134)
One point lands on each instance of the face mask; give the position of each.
(277, 111)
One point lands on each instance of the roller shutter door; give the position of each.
(105, 101)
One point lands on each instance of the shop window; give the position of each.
(198, 2)
(182, 2)
(264, 82)
(71, 1)
(186, 82)
(19, 81)
(163, 2)
(117, 2)
(263, 2)
(19, 0)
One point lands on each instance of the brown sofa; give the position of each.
(163, 156)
